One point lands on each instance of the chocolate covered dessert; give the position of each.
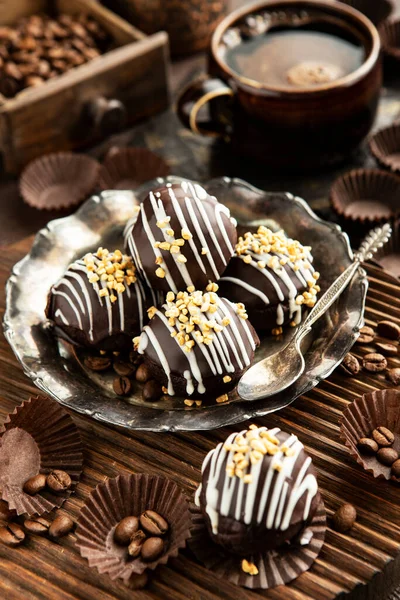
(197, 343)
(259, 491)
(99, 302)
(182, 237)
(273, 276)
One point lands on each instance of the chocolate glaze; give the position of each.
(81, 317)
(191, 209)
(203, 368)
(284, 500)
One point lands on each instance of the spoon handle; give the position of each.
(374, 240)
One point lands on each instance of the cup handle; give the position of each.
(194, 97)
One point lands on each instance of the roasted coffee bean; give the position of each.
(122, 386)
(6, 514)
(123, 368)
(388, 329)
(35, 484)
(374, 362)
(58, 481)
(12, 534)
(383, 436)
(344, 518)
(152, 391)
(12, 70)
(136, 543)
(396, 468)
(61, 526)
(153, 523)
(367, 446)
(34, 81)
(386, 349)
(366, 336)
(394, 375)
(387, 456)
(97, 363)
(125, 530)
(134, 357)
(152, 548)
(350, 365)
(138, 582)
(142, 373)
(37, 525)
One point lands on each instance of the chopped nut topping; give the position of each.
(249, 567)
(151, 311)
(164, 390)
(188, 402)
(204, 250)
(227, 379)
(114, 268)
(160, 273)
(277, 331)
(221, 399)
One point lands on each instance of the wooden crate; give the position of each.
(65, 112)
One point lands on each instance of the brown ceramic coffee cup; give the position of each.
(288, 126)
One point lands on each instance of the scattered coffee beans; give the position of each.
(35, 484)
(152, 548)
(387, 456)
(142, 373)
(123, 368)
(61, 526)
(97, 363)
(12, 534)
(344, 518)
(350, 365)
(386, 349)
(367, 446)
(138, 582)
(135, 358)
(153, 523)
(125, 530)
(152, 391)
(394, 375)
(37, 525)
(5, 513)
(366, 336)
(137, 541)
(388, 329)
(383, 436)
(374, 362)
(396, 468)
(122, 386)
(58, 481)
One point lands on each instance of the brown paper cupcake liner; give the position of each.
(59, 180)
(366, 196)
(388, 257)
(377, 11)
(37, 437)
(276, 567)
(390, 38)
(127, 168)
(130, 495)
(379, 408)
(385, 147)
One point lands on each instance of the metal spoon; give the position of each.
(278, 371)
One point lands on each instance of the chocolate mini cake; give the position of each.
(198, 343)
(273, 276)
(182, 237)
(258, 491)
(99, 302)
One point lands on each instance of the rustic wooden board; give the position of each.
(42, 569)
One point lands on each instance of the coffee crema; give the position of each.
(295, 58)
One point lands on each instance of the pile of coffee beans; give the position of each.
(143, 536)
(380, 444)
(344, 518)
(127, 368)
(56, 481)
(377, 361)
(38, 48)
(14, 533)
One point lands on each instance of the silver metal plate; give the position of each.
(58, 371)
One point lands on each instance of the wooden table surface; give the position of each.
(42, 569)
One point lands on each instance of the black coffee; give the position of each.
(295, 58)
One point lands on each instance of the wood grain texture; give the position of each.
(42, 569)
